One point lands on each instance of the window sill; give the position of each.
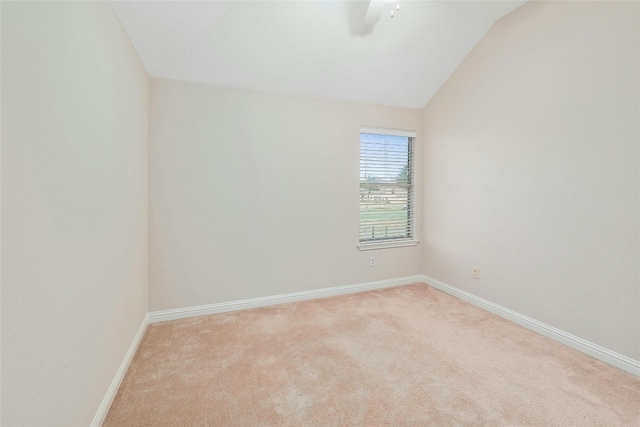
(385, 245)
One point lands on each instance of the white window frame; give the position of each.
(393, 242)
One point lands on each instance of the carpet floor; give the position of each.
(404, 356)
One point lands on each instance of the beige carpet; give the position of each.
(405, 356)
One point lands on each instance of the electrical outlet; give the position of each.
(476, 273)
(372, 261)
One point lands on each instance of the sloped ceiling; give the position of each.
(313, 48)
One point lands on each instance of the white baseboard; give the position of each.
(618, 360)
(623, 362)
(99, 418)
(181, 313)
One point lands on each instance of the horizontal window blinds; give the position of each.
(386, 185)
(390, 132)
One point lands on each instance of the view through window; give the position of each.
(386, 186)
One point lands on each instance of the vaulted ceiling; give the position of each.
(313, 48)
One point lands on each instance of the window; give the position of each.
(387, 207)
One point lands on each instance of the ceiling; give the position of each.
(312, 48)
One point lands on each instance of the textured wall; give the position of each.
(531, 170)
(74, 208)
(256, 194)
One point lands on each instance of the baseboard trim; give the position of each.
(100, 416)
(618, 360)
(181, 313)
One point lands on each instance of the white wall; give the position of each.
(530, 173)
(531, 170)
(74, 199)
(256, 194)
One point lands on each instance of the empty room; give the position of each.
(320, 213)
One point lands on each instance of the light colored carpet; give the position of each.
(405, 356)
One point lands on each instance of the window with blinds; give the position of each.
(386, 186)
